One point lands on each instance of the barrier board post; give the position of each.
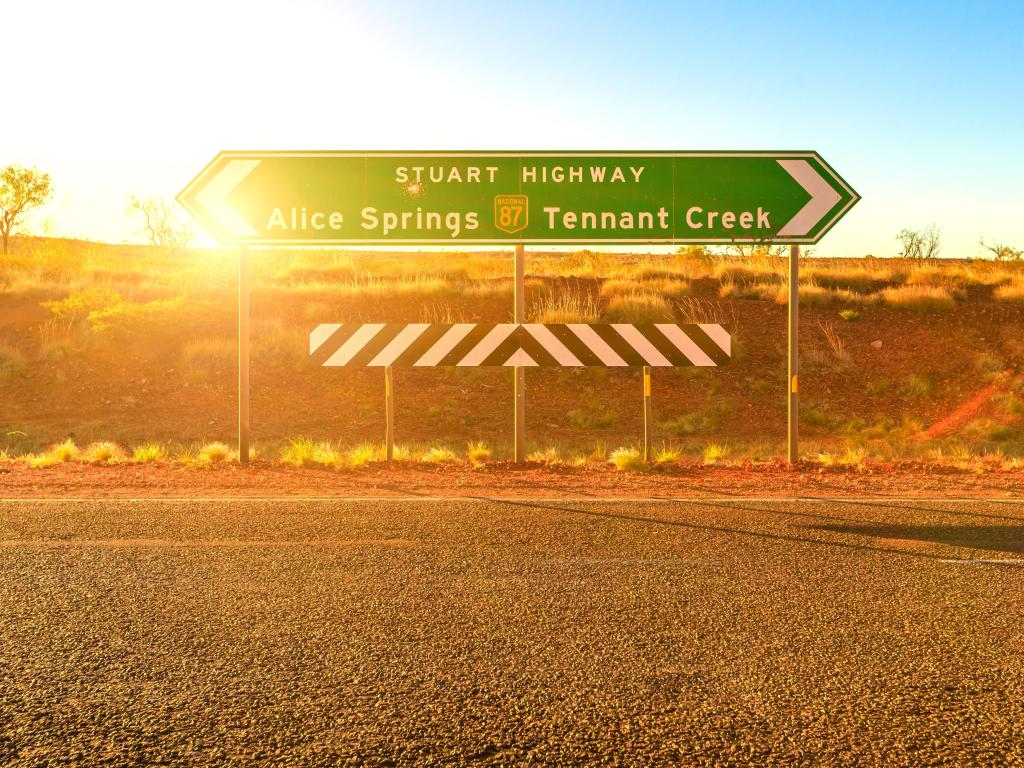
(520, 372)
(243, 354)
(389, 414)
(793, 440)
(647, 413)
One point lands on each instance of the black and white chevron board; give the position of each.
(540, 345)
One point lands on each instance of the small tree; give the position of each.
(21, 189)
(159, 223)
(1002, 252)
(920, 244)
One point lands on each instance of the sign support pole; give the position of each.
(520, 373)
(243, 355)
(389, 415)
(648, 420)
(794, 355)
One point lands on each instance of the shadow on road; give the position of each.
(729, 530)
(999, 538)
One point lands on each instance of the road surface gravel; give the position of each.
(531, 632)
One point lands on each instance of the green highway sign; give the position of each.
(438, 198)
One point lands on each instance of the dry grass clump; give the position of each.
(714, 453)
(858, 280)
(740, 273)
(835, 342)
(627, 459)
(740, 290)
(363, 454)
(547, 456)
(303, 452)
(341, 272)
(567, 307)
(1012, 291)
(478, 453)
(597, 457)
(667, 455)
(149, 453)
(57, 454)
(815, 295)
(669, 287)
(638, 308)
(102, 453)
(488, 289)
(216, 453)
(852, 458)
(440, 455)
(919, 298)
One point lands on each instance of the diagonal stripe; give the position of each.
(470, 340)
(598, 346)
(686, 345)
(521, 339)
(444, 345)
(574, 344)
(353, 344)
(719, 335)
(550, 342)
(487, 344)
(374, 346)
(333, 342)
(320, 334)
(622, 347)
(421, 345)
(707, 345)
(399, 344)
(640, 343)
(672, 353)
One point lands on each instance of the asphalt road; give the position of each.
(550, 633)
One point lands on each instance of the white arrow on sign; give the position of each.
(213, 198)
(823, 198)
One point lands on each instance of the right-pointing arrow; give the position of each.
(212, 198)
(823, 198)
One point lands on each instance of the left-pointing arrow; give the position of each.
(212, 201)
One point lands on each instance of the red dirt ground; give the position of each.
(273, 479)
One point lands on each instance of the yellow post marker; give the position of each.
(389, 414)
(243, 355)
(648, 420)
(520, 373)
(793, 452)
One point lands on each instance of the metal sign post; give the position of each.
(519, 389)
(389, 415)
(648, 421)
(243, 354)
(793, 452)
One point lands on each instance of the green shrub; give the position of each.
(80, 304)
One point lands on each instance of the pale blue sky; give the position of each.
(918, 104)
